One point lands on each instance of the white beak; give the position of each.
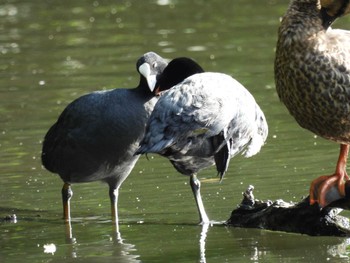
(145, 70)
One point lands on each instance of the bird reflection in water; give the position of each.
(121, 250)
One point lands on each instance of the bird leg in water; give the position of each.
(67, 194)
(195, 186)
(323, 185)
(113, 195)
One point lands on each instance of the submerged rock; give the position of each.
(10, 218)
(291, 217)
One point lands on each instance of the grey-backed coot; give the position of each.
(205, 119)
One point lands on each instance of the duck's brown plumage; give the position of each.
(312, 71)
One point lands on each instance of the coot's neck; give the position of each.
(143, 87)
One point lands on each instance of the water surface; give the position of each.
(55, 51)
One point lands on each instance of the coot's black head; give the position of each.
(150, 66)
(177, 70)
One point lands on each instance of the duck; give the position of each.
(96, 135)
(201, 121)
(312, 77)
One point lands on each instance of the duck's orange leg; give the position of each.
(322, 185)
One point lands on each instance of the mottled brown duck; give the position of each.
(312, 75)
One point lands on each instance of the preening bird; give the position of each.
(96, 135)
(312, 75)
(205, 119)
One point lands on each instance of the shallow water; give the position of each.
(54, 51)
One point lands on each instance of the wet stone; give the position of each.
(291, 217)
(10, 218)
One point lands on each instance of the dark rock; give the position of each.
(291, 217)
(10, 218)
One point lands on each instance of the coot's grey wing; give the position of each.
(199, 107)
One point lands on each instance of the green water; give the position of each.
(54, 51)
